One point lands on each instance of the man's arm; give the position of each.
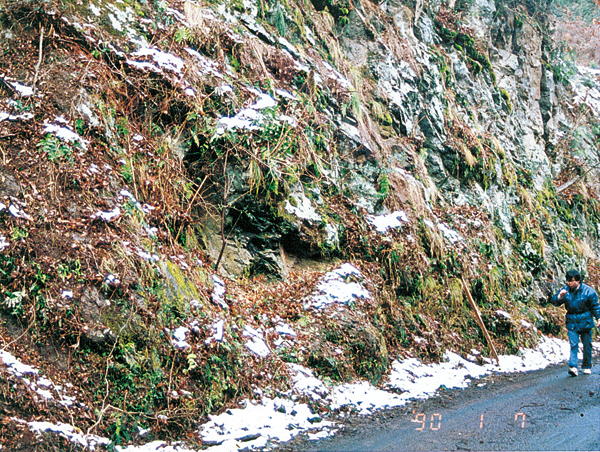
(594, 306)
(559, 297)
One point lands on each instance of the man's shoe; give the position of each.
(573, 371)
(587, 371)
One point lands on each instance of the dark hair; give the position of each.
(573, 274)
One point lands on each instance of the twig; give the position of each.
(480, 320)
(190, 205)
(39, 63)
(106, 406)
(567, 184)
(223, 211)
(4, 160)
(170, 385)
(4, 85)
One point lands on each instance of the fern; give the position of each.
(55, 149)
(183, 35)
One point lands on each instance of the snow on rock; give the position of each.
(15, 211)
(270, 420)
(73, 434)
(218, 294)
(155, 446)
(256, 344)
(160, 60)
(390, 221)
(108, 215)
(525, 325)
(112, 280)
(217, 327)
(3, 242)
(449, 234)
(286, 94)
(23, 90)
(30, 376)
(179, 338)
(420, 381)
(504, 314)
(254, 425)
(205, 65)
(302, 208)
(284, 329)
(423, 381)
(7, 116)
(16, 367)
(150, 257)
(364, 397)
(338, 286)
(247, 118)
(548, 351)
(62, 131)
(264, 101)
(306, 383)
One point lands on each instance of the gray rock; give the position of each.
(9, 186)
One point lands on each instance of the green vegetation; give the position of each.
(55, 149)
(466, 44)
(586, 9)
(563, 64)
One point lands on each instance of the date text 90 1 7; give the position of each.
(433, 422)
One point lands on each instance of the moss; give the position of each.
(518, 21)
(178, 288)
(506, 98)
(447, 34)
(380, 113)
(363, 351)
(466, 44)
(384, 184)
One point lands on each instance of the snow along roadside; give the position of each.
(274, 420)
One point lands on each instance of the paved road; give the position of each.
(541, 410)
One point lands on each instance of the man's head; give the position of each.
(573, 278)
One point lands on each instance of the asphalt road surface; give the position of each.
(539, 410)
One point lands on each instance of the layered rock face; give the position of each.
(455, 106)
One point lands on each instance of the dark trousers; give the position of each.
(586, 340)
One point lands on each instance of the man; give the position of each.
(581, 302)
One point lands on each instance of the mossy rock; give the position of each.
(178, 288)
(350, 348)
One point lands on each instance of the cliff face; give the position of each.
(177, 178)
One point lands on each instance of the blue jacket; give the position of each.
(582, 307)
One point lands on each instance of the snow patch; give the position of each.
(338, 286)
(256, 344)
(64, 132)
(217, 327)
(390, 221)
(67, 431)
(218, 294)
(302, 207)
